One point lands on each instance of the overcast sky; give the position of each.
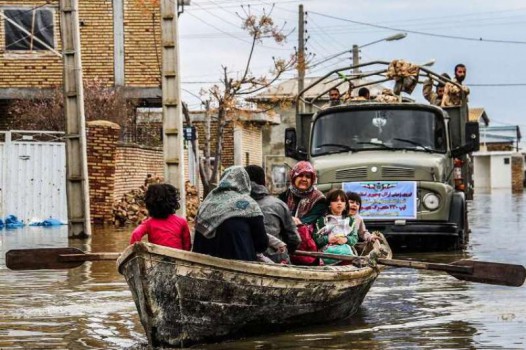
(488, 36)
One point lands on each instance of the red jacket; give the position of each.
(170, 232)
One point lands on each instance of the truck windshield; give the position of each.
(385, 129)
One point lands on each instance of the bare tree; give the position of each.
(45, 111)
(223, 100)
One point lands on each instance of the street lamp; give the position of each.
(356, 48)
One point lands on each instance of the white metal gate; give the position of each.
(33, 175)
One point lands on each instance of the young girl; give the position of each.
(336, 231)
(355, 203)
(163, 227)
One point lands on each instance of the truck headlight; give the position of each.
(431, 201)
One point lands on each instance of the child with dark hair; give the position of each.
(336, 231)
(354, 204)
(163, 227)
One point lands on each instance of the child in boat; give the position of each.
(336, 231)
(354, 204)
(163, 227)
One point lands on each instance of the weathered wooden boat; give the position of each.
(185, 298)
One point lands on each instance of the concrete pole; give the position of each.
(77, 186)
(172, 107)
(355, 58)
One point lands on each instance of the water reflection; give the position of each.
(90, 307)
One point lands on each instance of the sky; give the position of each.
(488, 36)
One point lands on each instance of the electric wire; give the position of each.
(419, 32)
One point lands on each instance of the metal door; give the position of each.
(33, 175)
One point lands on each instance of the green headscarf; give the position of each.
(231, 198)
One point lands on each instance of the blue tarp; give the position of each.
(47, 222)
(12, 221)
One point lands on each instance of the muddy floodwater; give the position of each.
(90, 307)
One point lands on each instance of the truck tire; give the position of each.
(458, 214)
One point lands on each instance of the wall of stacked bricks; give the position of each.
(102, 137)
(517, 173)
(228, 141)
(252, 149)
(116, 168)
(44, 69)
(500, 147)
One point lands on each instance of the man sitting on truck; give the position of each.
(334, 98)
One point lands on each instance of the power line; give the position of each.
(420, 33)
(498, 84)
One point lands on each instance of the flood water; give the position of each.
(90, 307)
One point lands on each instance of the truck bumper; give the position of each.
(390, 229)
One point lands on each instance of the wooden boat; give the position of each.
(185, 298)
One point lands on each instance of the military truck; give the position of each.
(409, 161)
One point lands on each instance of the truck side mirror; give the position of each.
(473, 135)
(290, 143)
(472, 140)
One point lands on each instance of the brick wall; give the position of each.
(133, 164)
(491, 147)
(39, 69)
(517, 173)
(252, 144)
(142, 44)
(44, 69)
(102, 139)
(228, 141)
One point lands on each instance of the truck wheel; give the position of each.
(458, 214)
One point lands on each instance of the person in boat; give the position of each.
(336, 232)
(306, 204)
(163, 227)
(283, 235)
(354, 201)
(229, 223)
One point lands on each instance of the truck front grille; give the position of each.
(351, 173)
(397, 172)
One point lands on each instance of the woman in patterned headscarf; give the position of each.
(307, 204)
(229, 223)
(305, 201)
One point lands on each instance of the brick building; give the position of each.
(120, 46)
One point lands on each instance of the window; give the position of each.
(28, 29)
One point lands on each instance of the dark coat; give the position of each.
(236, 238)
(277, 217)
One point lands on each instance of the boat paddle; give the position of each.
(467, 270)
(52, 258)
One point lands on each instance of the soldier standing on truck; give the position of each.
(334, 98)
(434, 97)
(452, 93)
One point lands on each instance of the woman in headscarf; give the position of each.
(307, 204)
(305, 201)
(229, 223)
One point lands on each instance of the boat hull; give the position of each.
(185, 298)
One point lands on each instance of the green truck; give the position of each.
(409, 161)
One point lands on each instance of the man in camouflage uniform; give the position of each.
(334, 98)
(452, 93)
(434, 97)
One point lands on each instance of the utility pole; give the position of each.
(355, 58)
(172, 107)
(77, 186)
(301, 63)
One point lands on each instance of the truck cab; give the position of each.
(408, 161)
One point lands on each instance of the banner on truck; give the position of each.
(385, 199)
